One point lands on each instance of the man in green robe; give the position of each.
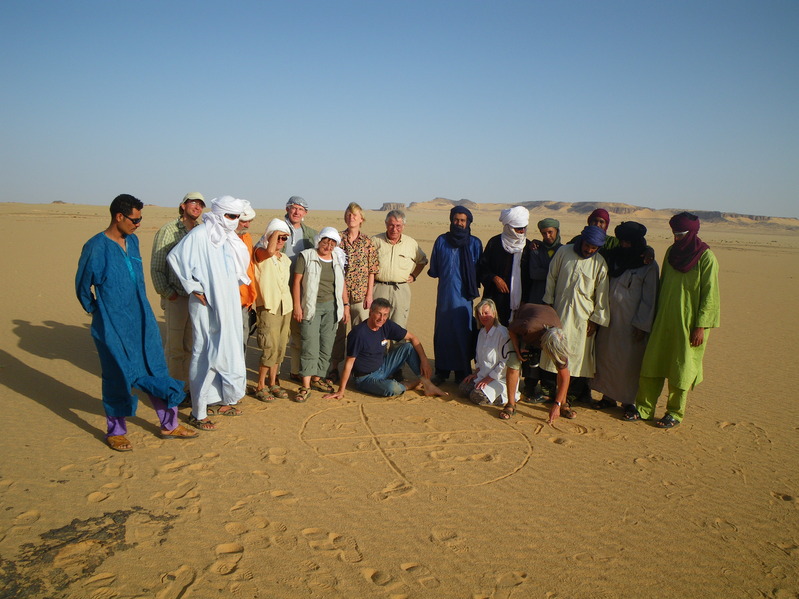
(688, 305)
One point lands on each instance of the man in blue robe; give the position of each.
(110, 286)
(454, 263)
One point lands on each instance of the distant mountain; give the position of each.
(619, 209)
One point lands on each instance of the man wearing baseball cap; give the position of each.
(174, 299)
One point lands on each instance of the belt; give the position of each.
(392, 283)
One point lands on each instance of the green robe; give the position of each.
(685, 301)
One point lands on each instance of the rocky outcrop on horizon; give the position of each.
(619, 209)
(392, 206)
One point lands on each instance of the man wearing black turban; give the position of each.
(620, 346)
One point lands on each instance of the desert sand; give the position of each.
(406, 497)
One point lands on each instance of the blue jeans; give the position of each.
(379, 383)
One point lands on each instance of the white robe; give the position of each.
(578, 290)
(217, 371)
(618, 354)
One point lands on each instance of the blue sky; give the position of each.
(654, 103)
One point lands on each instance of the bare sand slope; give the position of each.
(406, 497)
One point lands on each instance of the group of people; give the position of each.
(583, 314)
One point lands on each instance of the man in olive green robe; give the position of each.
(688, 305)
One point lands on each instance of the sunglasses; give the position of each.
(520, 229)
(135, 221)
(282, 237)
(231, 216)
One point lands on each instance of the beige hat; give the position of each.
(194, 195)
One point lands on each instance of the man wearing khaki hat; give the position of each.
(174, 299)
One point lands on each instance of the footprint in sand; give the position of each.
(783, 496)
(228, 556)
(97, 497)
(384, 580)
(176, 583)
(422, 574)
(504, 583)
(276, 455)
(285, 497)
(393, 490)
(5, 485)
(449, 538)
(282, 538)
(342, 546)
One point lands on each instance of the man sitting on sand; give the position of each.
(110, 286)
(372, 368)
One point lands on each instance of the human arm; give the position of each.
(84, 279)
(262, 253)
(349, 363)
(345, 298)
(296, 282)
(421, 261)
(601, 312)
(370, 288)
(163, 242)
(560, 396)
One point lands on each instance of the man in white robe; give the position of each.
(211, 262)
(577, 288)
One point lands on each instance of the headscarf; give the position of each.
(276, 224)
(223, 230)
(601, 213)
(685, 253)
(298, 201)
(248, 214)
(461, 239)
(591, 235)
(619, 258)
(331, 233)
(550, 223)
(514, 243)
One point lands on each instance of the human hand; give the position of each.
(638, 334)
(482, 384)
(697, 337)
(590, 329)
(201, 297)
(554, 413)
(501, 285)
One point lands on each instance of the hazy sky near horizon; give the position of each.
(689, 104)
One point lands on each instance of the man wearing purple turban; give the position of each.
(688, 305)
(577, 287)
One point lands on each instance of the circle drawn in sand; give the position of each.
(425, 443)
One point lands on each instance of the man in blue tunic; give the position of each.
(110, 286)
(454, 263)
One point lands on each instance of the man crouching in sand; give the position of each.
(370, 366)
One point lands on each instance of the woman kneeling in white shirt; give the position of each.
(487, 384)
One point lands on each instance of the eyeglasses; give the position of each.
(282, 237)
(231, 216)
(200, 202)
(135, 221)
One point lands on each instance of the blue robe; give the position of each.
(455, 330)
(123, 325)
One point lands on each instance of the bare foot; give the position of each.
(427, 387)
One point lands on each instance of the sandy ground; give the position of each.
(405, 497)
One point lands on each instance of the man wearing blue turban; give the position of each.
(454, 263)
(577, 287)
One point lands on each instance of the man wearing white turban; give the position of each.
(502, 268)
(211, 262)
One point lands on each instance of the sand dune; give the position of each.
(405, 497)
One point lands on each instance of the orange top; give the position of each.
(248, 292)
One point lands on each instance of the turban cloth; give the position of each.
(685, 253)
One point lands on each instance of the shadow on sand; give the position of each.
(56, 341)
